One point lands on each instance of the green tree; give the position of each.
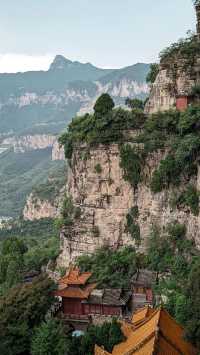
(103, 105)
(151, 76)
(49, 339)
(192, 307)
(135, 103)
(110, 268)
(13, 246)
(12, 261)
(131, 163)
(21, 310)
(108, 335)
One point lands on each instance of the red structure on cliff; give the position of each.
(81, 298)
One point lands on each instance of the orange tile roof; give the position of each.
(158, 331)
(74, 277)
(100, 351)
(75, 292)
(141, 314)
(126, 328)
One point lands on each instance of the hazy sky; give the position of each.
(107, 33)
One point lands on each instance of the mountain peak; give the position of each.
(60, 62)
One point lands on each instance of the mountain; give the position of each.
(44, 101)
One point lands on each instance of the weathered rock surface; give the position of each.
(36, 208)
(22, 144)
(172, 80)
(30, 142)
(57, 152)
(105, 198)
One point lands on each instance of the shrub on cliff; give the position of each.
(131, 163)
(135, 103)
(151, 76)
(110, 268)
(111, 128)
(103, 105)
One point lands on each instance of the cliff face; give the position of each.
(26, 143)
(36, 208)
(57, 152)
(172, 80)
(30, 142)
(105, 199)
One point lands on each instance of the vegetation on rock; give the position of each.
(104, 128)
(113, 269)
(135, 103)
(68, 213)
(185, 49)
(131, 162)
(132, 226)
(151, 76)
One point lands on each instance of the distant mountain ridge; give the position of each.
(43, 98)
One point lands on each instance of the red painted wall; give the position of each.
(72, 306)
(182, 103)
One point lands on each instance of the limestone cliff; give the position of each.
(36, 208)
(30, 142)
(22, 144)
(105, 199)
(57, 152)
(179, 73)
(45, 200)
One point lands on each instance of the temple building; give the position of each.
(152, 331)
(82, 301)
(74, 288)
(142, 285)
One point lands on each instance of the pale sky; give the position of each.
(107, 33)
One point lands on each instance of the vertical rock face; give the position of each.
(37, 208)
(57, 152)
(97, 187)
(30, 142)
(172, 80)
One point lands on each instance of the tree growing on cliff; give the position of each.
(153, 72)
(103, 105)
(134, 103)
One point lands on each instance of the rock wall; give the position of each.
(36, 208)
(105, 198)
(30, 142)
(26, 143)
(57, 152)
(172, 80)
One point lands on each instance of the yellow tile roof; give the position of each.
(141, 314)
(127, 329)
(140, 336)
(100, 351)
(157, 332)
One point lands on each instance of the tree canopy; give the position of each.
(21, 310)
(103, 105)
